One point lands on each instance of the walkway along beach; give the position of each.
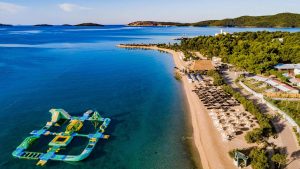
(212, 150)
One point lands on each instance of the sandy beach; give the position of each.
(212, 150)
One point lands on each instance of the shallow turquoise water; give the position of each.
(78, 69)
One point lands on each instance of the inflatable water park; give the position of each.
(62, 130)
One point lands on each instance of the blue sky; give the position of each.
(125, 11)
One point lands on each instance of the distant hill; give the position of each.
(81, 24)
(88, 24)
(66, 25)
(43, 25)
(278, 20)
(4, 24)
(153, 23)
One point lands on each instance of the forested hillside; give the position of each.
(278, 20)
(256, 52)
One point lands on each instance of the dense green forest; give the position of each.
(292, 108)
(255, 52)
(278, 20)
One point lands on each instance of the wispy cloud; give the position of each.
(68, 7)
(10, 8)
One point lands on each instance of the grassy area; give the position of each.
(292, 108)
(258, 87)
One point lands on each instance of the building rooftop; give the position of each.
(287, 66)
(202, 65)
(294, 80)
(275, 83)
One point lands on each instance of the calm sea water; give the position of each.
(80, 68)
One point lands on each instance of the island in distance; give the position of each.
(4, 25)
(154, 23)
(278, 20)
(45, 25)
(89, 24)
(81, 24)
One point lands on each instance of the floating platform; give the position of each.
(64, 138)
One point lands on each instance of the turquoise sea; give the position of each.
(80, 68)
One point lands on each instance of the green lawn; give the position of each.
(292, 108)
(256, 85)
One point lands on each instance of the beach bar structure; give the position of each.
(202, 65)
(63, 139)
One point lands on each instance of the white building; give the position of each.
(297, 71)
(276, 84)
(216, 59)
(221, 33)
(293, 69)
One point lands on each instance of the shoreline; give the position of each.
(190, 144)
(212, 151)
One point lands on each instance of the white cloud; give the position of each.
(67, 7)
(10, 7)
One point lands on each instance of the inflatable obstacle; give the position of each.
(62, 139)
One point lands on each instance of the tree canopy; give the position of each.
(256, 52)
(280, 159)
(259, 159)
